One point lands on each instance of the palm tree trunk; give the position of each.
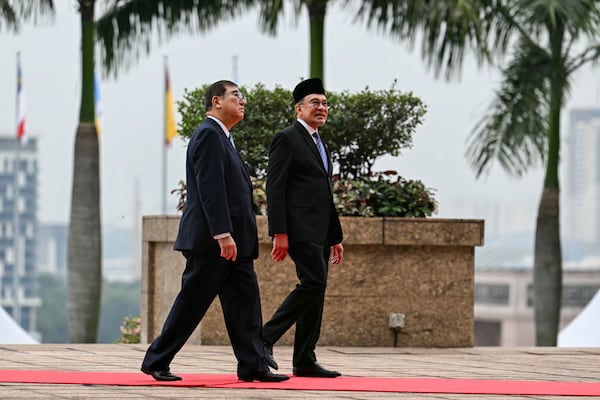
(547, 270)
(85, 236)
(316, 12)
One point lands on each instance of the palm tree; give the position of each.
(84, 246)
(552, 40)
(547, 41)
(85, 230)
(12, 12)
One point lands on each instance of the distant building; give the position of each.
(117, 245)
(581, 188)
(18, 230)
(51, 249)
(504, 309)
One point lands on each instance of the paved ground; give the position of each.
(546, 364)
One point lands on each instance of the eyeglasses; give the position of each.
(237, 94)
(317, 103)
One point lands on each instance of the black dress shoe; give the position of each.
(161, 375)
(315, 371)
(269, 356)
(265, 376)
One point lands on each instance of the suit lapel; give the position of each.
(233, 149)
(308, 140)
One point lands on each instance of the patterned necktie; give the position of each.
(321, 150)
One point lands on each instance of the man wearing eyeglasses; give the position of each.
(304, 223)
(217, 235)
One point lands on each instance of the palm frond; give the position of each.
(270, 12)
(514, 131)
(8, 16)
(12, 12)
(127, 29)
(447, 28)
(590, 54)
(35, 8)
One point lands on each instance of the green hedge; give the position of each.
(361, 128)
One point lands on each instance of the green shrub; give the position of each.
(380, 195)
(364, 126)
(361, 128)
(130, 330)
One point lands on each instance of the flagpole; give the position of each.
(234, 69)
(16, 308)
(16, 314)
(164, 141)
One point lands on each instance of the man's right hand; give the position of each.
(280, 246)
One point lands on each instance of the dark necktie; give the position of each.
(321, 150)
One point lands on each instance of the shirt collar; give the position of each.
(309, 128)
(220, 124)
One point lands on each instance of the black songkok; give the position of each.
(308, 86)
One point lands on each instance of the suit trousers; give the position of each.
(204, 278)
(304, 305)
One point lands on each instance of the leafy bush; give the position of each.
(383, 196)
(361, 127)
(364, 126)
(130, 330)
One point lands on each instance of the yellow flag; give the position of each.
(97, 105)
(170, 124)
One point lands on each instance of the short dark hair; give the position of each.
(216, 89)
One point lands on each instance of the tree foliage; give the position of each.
(384, 194)
(119, 300)
(366, 125)
(13, 12)
(360, 129)
(127, 28)
(52, 314)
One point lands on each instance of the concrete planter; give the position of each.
(420, 267)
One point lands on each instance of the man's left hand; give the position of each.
(337, 253)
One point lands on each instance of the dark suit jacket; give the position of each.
(219, 195)
(299, 190)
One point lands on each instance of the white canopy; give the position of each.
(584, 330)
(11, 332)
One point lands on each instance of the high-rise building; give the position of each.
(18, 230)
(581, 188)
(51, 251)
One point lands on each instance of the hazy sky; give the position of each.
(131, 142)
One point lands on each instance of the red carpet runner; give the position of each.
(344, 383)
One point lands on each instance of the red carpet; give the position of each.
(344, 383)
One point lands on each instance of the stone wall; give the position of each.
(420, 267)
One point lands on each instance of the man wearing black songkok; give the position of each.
(304, 223)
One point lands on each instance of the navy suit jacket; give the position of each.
(219, 196)
(299, 190)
